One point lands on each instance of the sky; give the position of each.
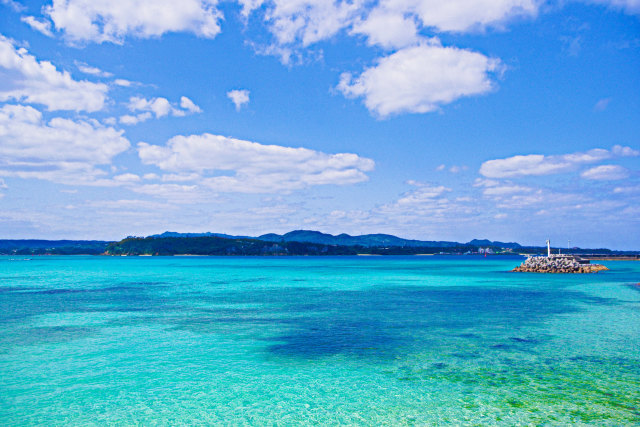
(512, 120)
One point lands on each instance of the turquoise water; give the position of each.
(301, 340)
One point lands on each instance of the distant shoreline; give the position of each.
(294, 243)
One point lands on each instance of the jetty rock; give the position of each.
(558, 264)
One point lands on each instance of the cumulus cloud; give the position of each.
(113, 21)
(39, 82)
(158, 107)
(94, 71)
(481, 182)
(41, 26)
(419, 79)
(387, 28)
(233, 165)
(606, 173)
(465, 15)
(127, 177)
(129, 119)
(423, 193)
(623, 151)
(425, 203)
(123, 83)
(629, 6)
(60, 150)
(306, 21)
(238, 97)
(187, 105)
(538, 164)
(389, 23)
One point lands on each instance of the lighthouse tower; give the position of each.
(548, 247)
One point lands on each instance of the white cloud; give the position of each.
(505, 189)
(188, 105)
(39, 82)
(175, 192)
(43, 27)
(424, 193)
(238, 97)
(622, 151)
(61, 150)
(309, 21)
(419, 79)
(126, 177)
(160, 107)
(481, 182)
(94, 71)
(458, 169)
(113, 21)
(180, 177)
(123, 82)
(627, 190)
(426, 205)
(387, 28)
(538, 164)
(129, 204)
(629, 6)
(249, 6)
(129, 119)
(17, 7)
(606, 173)
(602, 104)
(464, 15)
(390, 23)
(253, 167)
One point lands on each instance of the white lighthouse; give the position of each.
(548, 247)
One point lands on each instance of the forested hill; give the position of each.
(300, 242)
(210, 245)
(59, 247)
(365, 240)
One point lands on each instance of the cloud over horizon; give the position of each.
(254, 167)
(60, 150)
(538, 164)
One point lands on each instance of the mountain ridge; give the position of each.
(343, 239)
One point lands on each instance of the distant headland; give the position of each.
(298, 242)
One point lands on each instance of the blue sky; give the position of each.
(511, 120)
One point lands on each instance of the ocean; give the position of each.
(421, 340)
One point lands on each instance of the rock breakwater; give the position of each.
(557, 264)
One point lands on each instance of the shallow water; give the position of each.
(351, 340)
